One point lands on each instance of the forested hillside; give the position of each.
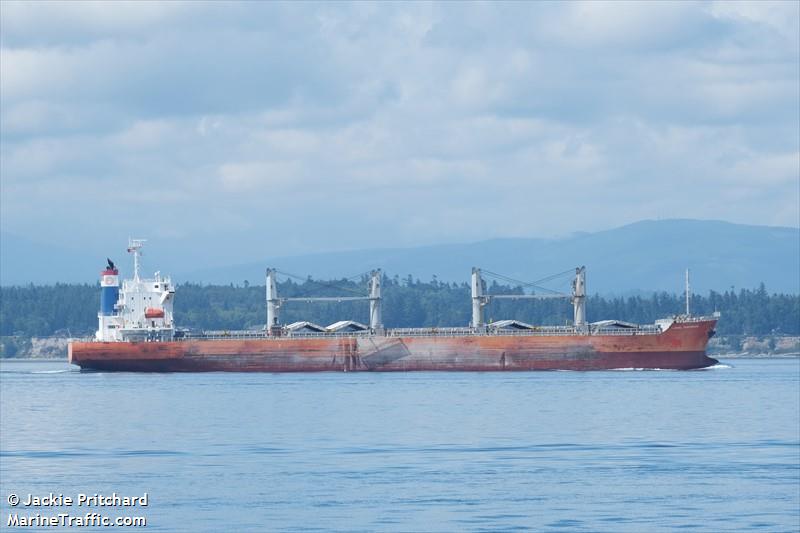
(67, 309)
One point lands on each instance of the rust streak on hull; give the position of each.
(681, 347)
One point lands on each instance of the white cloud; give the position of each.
(263, 176)
(394, 123)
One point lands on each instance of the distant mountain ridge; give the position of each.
(650, 255)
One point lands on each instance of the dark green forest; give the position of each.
(71, 309)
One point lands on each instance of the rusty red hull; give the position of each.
(681, 347)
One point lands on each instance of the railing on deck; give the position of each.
(426, 332)
(538, 331)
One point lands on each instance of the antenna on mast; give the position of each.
(688, 293)
(134, 247)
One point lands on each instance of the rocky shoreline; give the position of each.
(34, 347)
(754, 345)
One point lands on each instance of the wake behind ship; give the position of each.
(136, 332)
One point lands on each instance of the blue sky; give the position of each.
(244, 130)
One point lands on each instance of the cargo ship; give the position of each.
(136, 333)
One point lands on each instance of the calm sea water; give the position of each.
(713, 450)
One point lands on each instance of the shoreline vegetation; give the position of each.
(38, 321)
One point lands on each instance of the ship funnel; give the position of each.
(109, 289)
(109, 296)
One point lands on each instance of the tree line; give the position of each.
(71, 309)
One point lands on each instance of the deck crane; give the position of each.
(480, 299)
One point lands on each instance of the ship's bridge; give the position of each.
(143, 309)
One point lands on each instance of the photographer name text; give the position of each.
(81, 500)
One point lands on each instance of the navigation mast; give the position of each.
(688, 293)
(134, 247)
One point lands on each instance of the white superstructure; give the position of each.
(143, 310)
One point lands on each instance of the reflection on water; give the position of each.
(710, 450)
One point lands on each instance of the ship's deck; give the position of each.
(536, 331)
(543, 331)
